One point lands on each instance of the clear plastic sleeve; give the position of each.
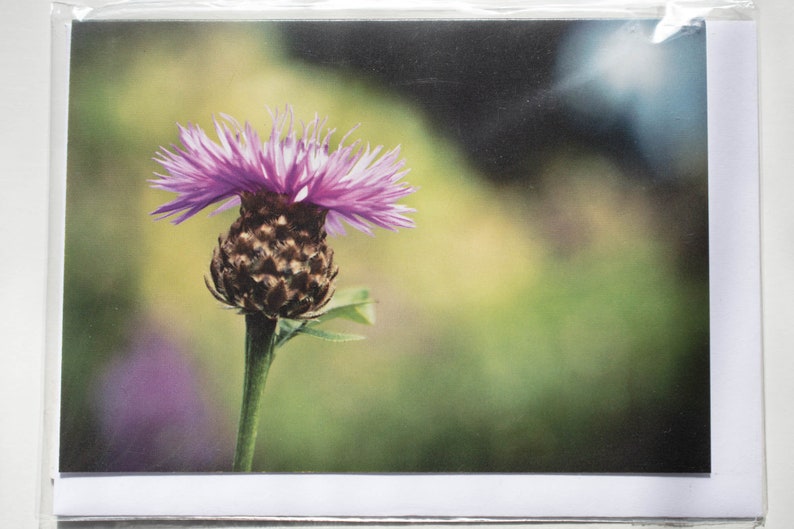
(568, 319)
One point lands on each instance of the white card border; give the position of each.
(733, 490)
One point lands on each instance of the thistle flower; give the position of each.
(291, 191)
(274, 261)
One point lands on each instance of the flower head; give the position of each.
(355, 183)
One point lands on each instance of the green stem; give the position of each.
(259, 348)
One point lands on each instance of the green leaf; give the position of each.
(351, 304)
(354, 304)
(328, 335)
(287, 329)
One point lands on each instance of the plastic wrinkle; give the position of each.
(674, 14)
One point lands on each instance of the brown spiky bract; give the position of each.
(274, 259)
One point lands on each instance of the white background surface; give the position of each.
(24, 109)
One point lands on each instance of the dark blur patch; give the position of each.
(487, 84)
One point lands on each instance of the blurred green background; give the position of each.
(556, 322)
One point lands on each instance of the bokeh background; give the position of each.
(549, 313)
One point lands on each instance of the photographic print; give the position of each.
(459, 246)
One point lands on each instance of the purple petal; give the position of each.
(357, 185)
